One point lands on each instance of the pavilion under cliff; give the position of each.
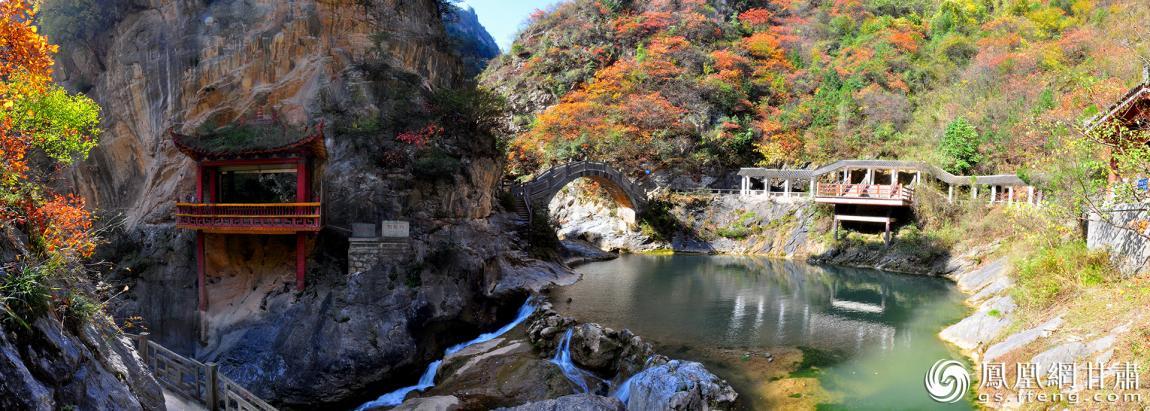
(253, 179)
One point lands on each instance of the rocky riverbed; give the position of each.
(612, 370)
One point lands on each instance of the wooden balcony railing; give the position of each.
(871, 191)
(272, 218)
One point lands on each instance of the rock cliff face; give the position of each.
(61, 360)
(90, 366)
(701, 225)
(370, 69)
(180, 63)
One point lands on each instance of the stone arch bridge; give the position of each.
(538, 192)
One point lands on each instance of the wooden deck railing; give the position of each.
(875, 191)
(268, 218)
(195, 380)
(706, 191)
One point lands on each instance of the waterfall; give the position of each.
(577, 375)
(427, 380)
(624, 391)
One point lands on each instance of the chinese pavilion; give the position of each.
(1131, 112)
(253, 179)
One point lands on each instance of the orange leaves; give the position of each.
(644, 24)
(906, 40)
(64, 225)
(726, 60)
(664, 46)
(756, 19)
(38, 115)
(22, 48)
(766, 47)
(661, 61)
(652, 113)
(13, 165)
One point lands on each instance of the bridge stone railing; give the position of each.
(544, 186)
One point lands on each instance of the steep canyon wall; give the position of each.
(369, 69)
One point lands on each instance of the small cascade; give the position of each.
(427, 380)
(624, 391)
(577, 375)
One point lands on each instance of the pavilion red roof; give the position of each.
(252, 141)
(1120, 109)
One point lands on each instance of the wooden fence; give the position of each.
(707, 191)
(195, 380)
(876, 191)
(271, 218)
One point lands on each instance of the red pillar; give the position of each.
(301, 180)
(301, 191)
(300, 260)
(213, 184)
(199, 182)
(201, 275)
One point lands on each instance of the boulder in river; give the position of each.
(502, 372)
(679, 385)
(593, 347)
(576, 402)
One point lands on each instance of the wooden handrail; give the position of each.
(251, 215)
(262, 218)
(178, 204)
(194, 380)
(876, 191)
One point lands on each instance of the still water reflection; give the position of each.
(882, 325)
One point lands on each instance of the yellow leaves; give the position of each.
(1082, 7)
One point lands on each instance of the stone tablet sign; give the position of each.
(363, 230)
(396, 229)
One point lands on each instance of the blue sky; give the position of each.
(502, 18)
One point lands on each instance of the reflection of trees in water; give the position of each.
(760, 301)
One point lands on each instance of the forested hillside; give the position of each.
(975, 85)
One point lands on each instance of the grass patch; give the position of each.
(740, 228)
(24, 295)
(1054, 272)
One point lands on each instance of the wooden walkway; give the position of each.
(197, 384)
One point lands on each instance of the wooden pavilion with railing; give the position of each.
(253, 179)
(878, 191)
(1130, 115)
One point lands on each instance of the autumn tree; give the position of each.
(39, 120)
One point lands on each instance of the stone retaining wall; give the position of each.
(1123, 231)
(365, 253)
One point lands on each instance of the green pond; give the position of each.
(872, 334)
